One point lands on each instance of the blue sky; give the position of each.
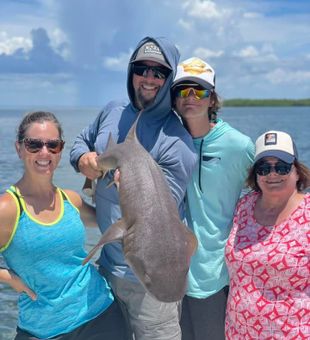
(75, 52)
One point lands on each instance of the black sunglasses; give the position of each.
(265, 168)
(33, 145)
(159, 72)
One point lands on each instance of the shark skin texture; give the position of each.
(157, 245)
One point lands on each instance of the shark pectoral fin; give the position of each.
(88, 187)
(193, 244)
(114, 233)
(110, 183)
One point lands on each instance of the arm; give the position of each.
(8, 214)
(177, 161)
(8, 277)
(82, 154)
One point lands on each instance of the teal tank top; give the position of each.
(48, 258)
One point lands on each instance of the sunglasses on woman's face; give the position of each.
(33, 145)
(280, 168)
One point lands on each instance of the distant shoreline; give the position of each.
(239, 102)
(234, 102)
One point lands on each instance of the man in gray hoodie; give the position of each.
(151, 70)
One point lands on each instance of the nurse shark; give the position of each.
(156, 244)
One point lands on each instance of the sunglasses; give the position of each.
(35, 145)
(159, 72)
(199, 94)
(265, 168)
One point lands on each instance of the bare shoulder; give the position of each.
(8, 214)
(74, 197)
(8, 206)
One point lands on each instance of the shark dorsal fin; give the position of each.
(111, 142)
(132, 135)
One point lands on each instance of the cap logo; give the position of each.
(195, 67)
(152, 49)
(271, 138)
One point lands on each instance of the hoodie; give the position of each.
(161, 133)
(225, 155)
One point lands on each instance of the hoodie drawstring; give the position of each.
(200, 161)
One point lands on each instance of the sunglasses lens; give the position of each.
(281, 168)
(158, 71)
(263, 169)
(54, 146)
(139, 69)
(35, 145)
(199, 94)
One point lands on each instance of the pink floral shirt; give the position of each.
(269, 269)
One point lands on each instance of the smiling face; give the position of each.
(276, 183)
(42, 162)
(146, 87)
(190, 106)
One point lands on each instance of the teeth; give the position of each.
(43, 162)
(148, 87)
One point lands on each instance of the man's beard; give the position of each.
(143, 102)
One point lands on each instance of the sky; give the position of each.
(76, 52)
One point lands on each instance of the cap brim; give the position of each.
(152, 59)
(196, 80)
(284, 156)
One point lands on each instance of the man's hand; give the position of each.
(88, 165)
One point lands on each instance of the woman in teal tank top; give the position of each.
(42, 239)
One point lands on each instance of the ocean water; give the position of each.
(251, 121)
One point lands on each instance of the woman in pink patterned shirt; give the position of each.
(267, 253)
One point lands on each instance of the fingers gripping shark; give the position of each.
(156, 244)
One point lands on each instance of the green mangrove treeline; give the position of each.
(266, 102)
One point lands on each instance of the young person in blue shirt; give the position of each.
(225, 154)
(151, 70)
(42, 241)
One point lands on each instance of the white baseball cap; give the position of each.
(276, 144)
(195, 70)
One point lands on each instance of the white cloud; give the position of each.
(119, 63)
(205, 53)
(247, 52)
(9, 45)
(282, 76)
(263, 55)
(185, 24)
(252, 15)
(202, 9)
(59, 39)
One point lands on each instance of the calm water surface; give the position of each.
(251, 121)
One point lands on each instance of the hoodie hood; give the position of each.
(161, 106)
